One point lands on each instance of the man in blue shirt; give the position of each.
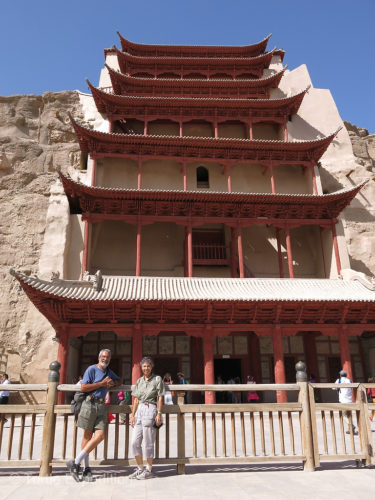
(92, 417)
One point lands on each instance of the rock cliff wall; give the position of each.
(360, 216)
(36, 137)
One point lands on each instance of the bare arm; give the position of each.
(134, 409)
(160, 404)
(106, 382)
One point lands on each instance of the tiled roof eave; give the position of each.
(147, 289)
(200, 47)
(113, 137)
(191, 59)
(255, 82)
(298, 198)
(229, 103)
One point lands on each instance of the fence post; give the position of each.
(180, 432)
(307, 438)
(49, 420)
(364, 425)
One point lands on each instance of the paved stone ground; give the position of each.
(330, 482)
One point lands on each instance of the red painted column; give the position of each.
(279, 367)
(315, 187)
(345, 352)
(286, 138)
(216, 129)
(186, 271)
(93, 172)
(279, 253)
(62, 358)
(336, 248)
(209, 373)
(310, 354)
(272, 178)
(229, 178)
(322, 248)
(184, 174)
(136, 353)
(189, 236)
(145, 128)
(86, 239)
(240, 253)
(181, 129)
(251, 130)
(138, 250)
(139, 175)
(289, 253)
(233, 266)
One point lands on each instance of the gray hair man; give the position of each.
(93, 417)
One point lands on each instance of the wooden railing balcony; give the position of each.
(206, 254)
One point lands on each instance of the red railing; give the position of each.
(209, 255)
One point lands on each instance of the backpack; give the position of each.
(76, 404)
(79, 397)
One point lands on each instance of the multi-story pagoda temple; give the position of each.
(204, 235)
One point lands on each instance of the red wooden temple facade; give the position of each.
(217, 248)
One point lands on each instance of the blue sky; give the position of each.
(52, 46)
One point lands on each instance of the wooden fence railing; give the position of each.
(307, 432)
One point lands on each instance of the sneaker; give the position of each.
(87, 475)
(74, 470)
(135, 474)
(146, 474)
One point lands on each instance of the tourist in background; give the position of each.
(230, 395)
(182, 380)
(371, 396)
(4, 395)
(252, 396)
(220, 395)
(345, 397)
(237, 394)
(168, 396)
(123, 398)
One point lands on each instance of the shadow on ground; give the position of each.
(161, 471)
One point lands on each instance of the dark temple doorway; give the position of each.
(334, 366)
(164, 365)
(228, 368)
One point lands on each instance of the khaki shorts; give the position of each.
(93, 415)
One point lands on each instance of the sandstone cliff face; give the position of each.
(360, 216)
(36, 137)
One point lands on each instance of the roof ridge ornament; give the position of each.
(350, 274)
(96, 280)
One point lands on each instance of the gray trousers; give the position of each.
(144, 430)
